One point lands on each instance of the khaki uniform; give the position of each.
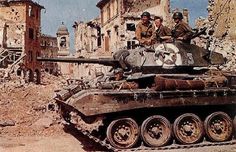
(161, 32)
(182, 29)
(144, 33)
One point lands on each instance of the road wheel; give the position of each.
(188, 129)
(123, 133)
(219, 127)
(156, 131)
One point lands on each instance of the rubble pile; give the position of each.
(220, 22)
(228, 49)
(27, 109)
(220, 18)
(224, 46)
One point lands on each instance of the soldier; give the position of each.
(182, 31)
(163, 32)
(145, 29)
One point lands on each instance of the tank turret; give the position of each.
(161, 58)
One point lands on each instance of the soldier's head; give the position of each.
(177, 16)
(158, 21)
(145, 17)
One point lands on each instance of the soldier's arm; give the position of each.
(154, 34)
(154, 38)
(188, 32)
(167, 31)
(138, 32)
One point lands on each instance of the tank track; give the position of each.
(105, 143)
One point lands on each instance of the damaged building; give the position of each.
(87, 37)
(222, 15)
(49, 49)
(120, 17)
(221, 21)
(20, 22)
(114, 29)
(88, 43)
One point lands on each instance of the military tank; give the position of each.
(167, 96)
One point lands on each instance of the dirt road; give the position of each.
(68, 143)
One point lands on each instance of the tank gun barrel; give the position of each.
(104, 61)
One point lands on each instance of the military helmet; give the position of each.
(178, 15)
(146, 14)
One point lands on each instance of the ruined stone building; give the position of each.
(88, 43)
(221, 20)
(222, 15)
(20, 22)
(87, 37)
(49, 49)
(114, 29)
(120, 17)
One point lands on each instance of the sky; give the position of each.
(68, 11)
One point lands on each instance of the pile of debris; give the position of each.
(28, 109)
(228, 49)
(220, 33)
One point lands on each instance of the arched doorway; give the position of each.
(38, 76)
(19, 72)
(31, 75)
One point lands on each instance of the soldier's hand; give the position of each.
(148, 42)
(180, 38)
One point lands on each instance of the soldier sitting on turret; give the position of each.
(145, 29)
(163, 32)
(181, 31)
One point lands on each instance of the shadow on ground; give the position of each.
(88, 144)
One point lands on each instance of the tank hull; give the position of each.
(98, 102)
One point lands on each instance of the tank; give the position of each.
(168, 96)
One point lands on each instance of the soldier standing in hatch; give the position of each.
(145, 30)
(162, 31)
(181, 31)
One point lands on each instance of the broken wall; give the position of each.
(49, 49)
(2, 33)
(15, 35)
(86, 38)
(221, 19)
(222, 15)
(22, 35)
(155, 7)
(87, 45)
(115, 32)
(14, 17)
(140, 5)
